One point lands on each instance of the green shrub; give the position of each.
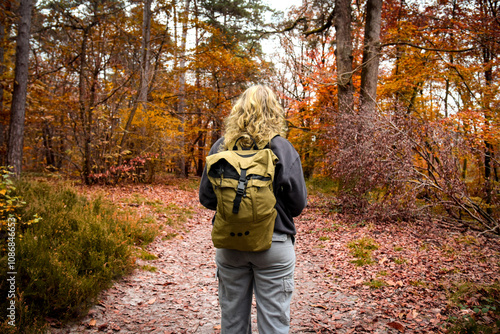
(481, 306)
(321, 184)
(64, 260)
(362, 249)
(146, 255)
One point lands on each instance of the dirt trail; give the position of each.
(181, 296)
(331, 293)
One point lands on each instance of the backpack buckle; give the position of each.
(240, 190)
(242, 182)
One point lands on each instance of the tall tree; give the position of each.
(5, 7)
(142, 93)
(490, 11)
(18, 107)
(344, 55)
(242, 20)
(371, 56)
(181, 107)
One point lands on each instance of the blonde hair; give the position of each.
(256, 114)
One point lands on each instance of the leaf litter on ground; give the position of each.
(405, 286)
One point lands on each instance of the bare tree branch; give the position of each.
(329, 22)
(426, 48)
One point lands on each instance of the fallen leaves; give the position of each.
(319, 306)
(413, 265)
(392, 283)
(396, 325)
(330, 294)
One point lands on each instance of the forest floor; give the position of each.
(403, 286)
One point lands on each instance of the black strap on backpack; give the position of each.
(240, 191)
(243, 180)
(255, 147)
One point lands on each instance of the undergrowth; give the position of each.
(76, 248)
(479, 307)
(362, 249)
(321, 184)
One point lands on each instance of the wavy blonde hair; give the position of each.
(256, 114)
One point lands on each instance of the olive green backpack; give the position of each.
(243, 183)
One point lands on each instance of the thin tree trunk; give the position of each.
(86, 126)
(344, 55)
(447, 81)
(3, 14)
(488, 147)
(47, 144)
(446, 94)
(182, 92)
(146, 52)
(371, 56)
(202, 142)
(18, 107)
(142, 94)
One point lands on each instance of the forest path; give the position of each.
(331, 294)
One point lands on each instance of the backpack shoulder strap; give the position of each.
(235, 147)
(255, 146)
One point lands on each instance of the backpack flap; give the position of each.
(225, 167)
(243, 184)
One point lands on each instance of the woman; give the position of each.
(257, 116)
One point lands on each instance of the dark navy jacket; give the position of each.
(289, 185)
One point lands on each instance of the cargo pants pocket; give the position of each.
(287, 291)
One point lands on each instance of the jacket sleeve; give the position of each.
(206, 192)
(293, 191)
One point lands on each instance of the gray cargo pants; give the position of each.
(269, 274)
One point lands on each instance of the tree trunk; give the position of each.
(145, 52)
(48, 145)
(18, 107)
(83, 109)
(3, 14)
(200, 164)
(142, 94)
(3, 17)
(488, 147)
(344, 55)
(182, 92)
(371, 56)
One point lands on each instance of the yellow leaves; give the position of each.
(476, 126)
(10, 205)
(36, 219)
(125, 152)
